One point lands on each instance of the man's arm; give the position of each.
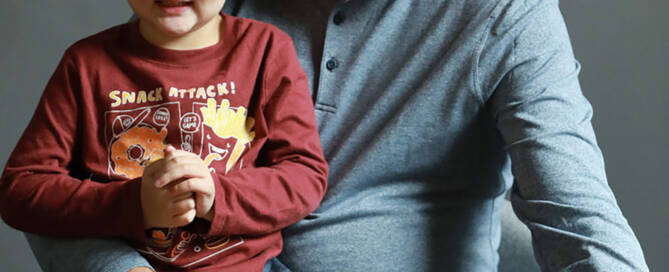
(560, 189)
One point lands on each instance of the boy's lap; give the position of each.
(58, 254)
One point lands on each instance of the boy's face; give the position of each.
(176, 17)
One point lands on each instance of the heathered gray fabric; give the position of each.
(429, 105)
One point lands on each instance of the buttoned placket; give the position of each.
(332, 60)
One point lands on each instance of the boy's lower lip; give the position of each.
(172, 7)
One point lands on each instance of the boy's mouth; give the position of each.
(173, 6)
(173, 3)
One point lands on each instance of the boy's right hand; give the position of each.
(164, 208)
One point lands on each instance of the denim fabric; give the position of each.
(66, 255)
(274, 265)
(429, 112)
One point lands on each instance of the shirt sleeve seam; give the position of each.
(476, 57)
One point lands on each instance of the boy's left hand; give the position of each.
(187, 172)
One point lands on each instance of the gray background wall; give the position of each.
(622, 44)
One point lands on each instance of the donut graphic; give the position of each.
(135, 144)
(137, 148)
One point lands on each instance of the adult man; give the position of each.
(428, 110)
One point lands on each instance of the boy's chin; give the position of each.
(177, 29)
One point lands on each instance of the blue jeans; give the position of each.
(55, 255)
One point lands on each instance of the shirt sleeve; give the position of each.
(560, 191)
(290, 176)
(38, 190)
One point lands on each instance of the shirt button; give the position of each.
(332, 64)
(338, 18)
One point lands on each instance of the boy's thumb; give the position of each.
(169, 149)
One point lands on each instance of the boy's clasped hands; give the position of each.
(176, 189)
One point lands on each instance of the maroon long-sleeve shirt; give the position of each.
(113, 104)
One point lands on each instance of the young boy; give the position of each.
(98, 159)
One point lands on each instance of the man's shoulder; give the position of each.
(251, 29)
(513, 15)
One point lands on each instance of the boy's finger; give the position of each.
(179, 158)
(183, 196)
(200, 205)
(183, 219)
(177, 153)
(178, 171)
(183, 206)
(169, 149)
(192, 185)
(153, 169)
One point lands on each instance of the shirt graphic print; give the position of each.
(200, 120)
